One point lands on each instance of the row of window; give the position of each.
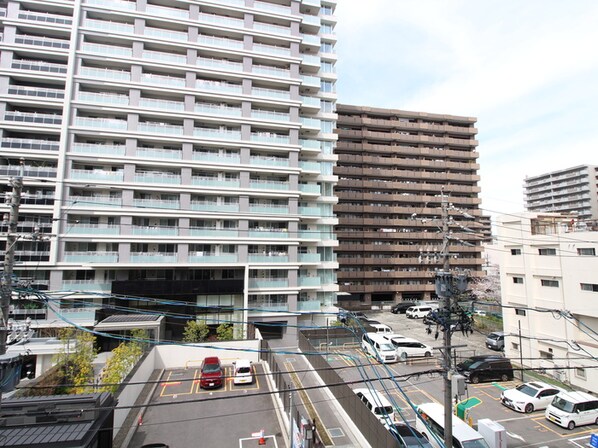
(583, 251)
(555, 284)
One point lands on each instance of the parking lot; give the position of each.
(522, 429)
(183, 415)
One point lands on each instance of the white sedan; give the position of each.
(529, 397)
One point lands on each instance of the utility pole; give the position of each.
(9, 256)
(446, 278)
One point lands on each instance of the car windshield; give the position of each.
(387, 348)
(465, 364)
(211, 368)
(527, 390)
(562, 404)
(244, 370)
(387, 410)
(475, 365)
(478, 443)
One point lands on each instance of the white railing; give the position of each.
(42, 41)
(45, 17)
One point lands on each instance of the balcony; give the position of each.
(220, 133)
(270, 137)
(108, 50)
(311, 81)
(269, 209)
(272, 49)
(310, 101)
(103, 98)
(91, 257)
(157, 153)
(113, 4)
(222, 42)
(104, 25)
(162, 11)
(214, 233)
(160, 128)
(37, 92)
(158, 178)
(105, 73)
(156, 203)
(312, 123)
(101, 123)
(272, 29)
(32, 117)
(310, 257)
(221, 20)
(218, 109)
(223, 64)
(86, 285)
(278, 9)
(309, 166)
(269, 258)
(30, 143)
(266, 283)
(96, 201)
(92, 229)
(206, 181)
(310, 281)
(309, 188)
(97, 175)
(264, 184)
(45, 17)
(272, 93)
(218, 86)
(28, 170)
(154, 231)
(311, 39)
(309, 305)
(161, 80)
(209, 206)
(270, 115)
(269, 233)
(311, 20)
(271, 71)
(39, 66)
(227, 159)
(38, 41)
(160, 56)
(86, 314)
(88, 148)
(269, 161)
(153, 257)
(310, 144)
(209, 257)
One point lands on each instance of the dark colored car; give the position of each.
(401, 308)
(463, 365)
(212, 375)
(409, 437)
(489, 370)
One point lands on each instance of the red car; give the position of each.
(212, 375)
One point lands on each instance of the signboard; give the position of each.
(594, 440)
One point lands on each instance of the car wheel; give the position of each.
(475, 379)
(529, 408)
(571, 425)
(504, 377)
(427, 354)
(596, 422)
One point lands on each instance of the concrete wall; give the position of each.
(183, 356)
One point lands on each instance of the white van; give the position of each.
(381, 328)
(571, 409)
(419, 311)
(433, 430)
(408, 347)
(375, 345)
(378, 404)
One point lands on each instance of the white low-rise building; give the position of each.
(549, 282)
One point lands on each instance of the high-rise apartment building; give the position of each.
(394, 167)
(572, 190)
(177, 150)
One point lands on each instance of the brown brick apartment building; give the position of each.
(392, 168)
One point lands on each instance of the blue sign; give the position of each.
(594, 440)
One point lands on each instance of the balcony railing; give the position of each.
(152, 103)
(154, 231)
(92, 229)
(160, 128)
(272, 49)
(217, 157)
(153, 257)
(211, 206)
(310, 258)
(100, 175)
(39, 66)
(113, 4)
(103, 98)
(95, 201)
(309, 281)
(102, 123)
(227, 134)
(165, 34)
(271, 93)
(270, 115)
(32, 117)
(163, 80)
(156, 203)
(158, 178)
(30, 143)
(30, 171)
(270, 28)
(269, 258)
(270, 137)
(157, 153)
(162, 11)
(86, 285)
(42, 41)
(105, 73)
(279, 9)
(269, 161)
(89, 148)
(220, 63)
(165, 57)
(204, 181)
(36, 92)
(272, 71)
(91, 257)
(268, 184)
(221, 20)
(268, 283)
(105, 25)
(218, 86)
(214, 232)
(268, 233)
(220, 42)
(218, 109)
(269, 209)
(209, 257)
(108, 50)
(309, 188)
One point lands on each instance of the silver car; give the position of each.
(496, 340)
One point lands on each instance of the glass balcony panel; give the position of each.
(157, 231)
(310, 122)
(32, 117)
(220, 158)
(108, 50)
(100, 175)
(269, 137)
(268, 283)
(95, 201)
(272, 49)
(311, 39)
(28, 170)
(311, 20)
(156, 203)
(163, 11)
(156, 153)
(269, 161)
(41, 41)
(105, 25)
(271, 93)
(268, 185)
(309, 188)
(29, 143)
(45, 17)
(86, 314)
(310, 234)
(39, 66)
(152, 103)
(272, 71)
(93, 229)
(103, 123)
(219, 63)
(279, 9)
(218, 86)
(88, 148)
(153, 257)
(218, 109)
(158, 178)
(309, 258)
(211, 206)
(309, 305)
(315, 3)
(310, 59)
(104, 73)
(268, 234)
(163, 80)
(36, 92)
(274, 258)
(313, 81)
(201, 257)
(311, 211)
(227, 134)
(86, 285)
(113, 4)
(165, 34)
(270, 115)
(165, 57)
(269, 209)
(221, 20)
(313, 144)
(215, 182)
(272, 29)
(310, 101)
(91, 257)
(160, 128)
(103, 98)
(220, 42)
(214, 232)
(309, 166)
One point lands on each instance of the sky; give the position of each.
(526, 69)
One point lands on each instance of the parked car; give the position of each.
(496, 340)
(242, 372)
(381, 328)
(529, 397)
(463, 365)
(211, 375)
(408, 347)
(377, 403)
(489, 370)
(571, 409)
(377, 346)
(401, 307)
(419, 311)
(409, 437)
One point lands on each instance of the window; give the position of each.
(515, 251)
(518, 280)
(327, 106)
(545, 355)
(589, 287)
(327, 86)
(547, 251)
(515, 346)
(580, 372)
(519, 312)
(586, 251)
(550, 283)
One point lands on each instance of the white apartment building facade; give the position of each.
(571, 190)
(550, 296)
(180, 151)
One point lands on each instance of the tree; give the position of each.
(225, 332)
(195, 331)
(120, 364)
(77, 365)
